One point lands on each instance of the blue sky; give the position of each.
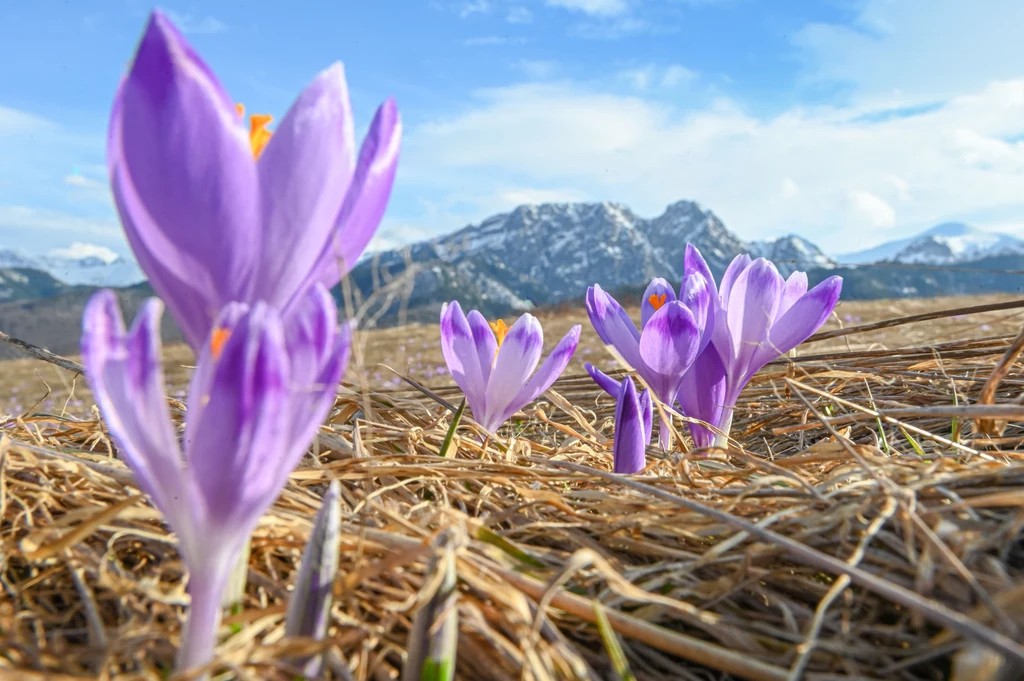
(846, 121)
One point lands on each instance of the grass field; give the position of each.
(865, 523)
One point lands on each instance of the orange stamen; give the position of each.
(217, 341)
(499, 330)
(259, 136)
(657, 301)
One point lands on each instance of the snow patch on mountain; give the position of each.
(944, 244)
(78, 264)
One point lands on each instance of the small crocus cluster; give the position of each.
(634, 419)
(493, 364)
(241, 233)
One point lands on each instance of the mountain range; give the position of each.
(537, 255)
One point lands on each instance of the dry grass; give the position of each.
(858, 528)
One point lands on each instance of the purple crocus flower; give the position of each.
(257, 397)
(208, 223)
(633, 421)
(674, 331)
(493, 365)
(758, 316)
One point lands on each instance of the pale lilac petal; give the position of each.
(613, 325)
(658, 292)
(199, 386)
(694, 264)
(702, 395)
(801, 320)
(460, 354)
(603, 380)
(311, 330)
(698, 296)
(125, 374)
(628, 448)
(235, 446)
(647, 415)
(184, 180)
(366, 199)
(486, 343)
(304, 172)
(753, 301)
(517, 358)
(550, 370)
(794, 289)
(738, 265)
(668, 347)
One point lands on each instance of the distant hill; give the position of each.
(542, 255)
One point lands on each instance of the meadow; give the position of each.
(864, 522)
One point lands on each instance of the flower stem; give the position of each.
(665, 433)
(722, 441)
(199, 635)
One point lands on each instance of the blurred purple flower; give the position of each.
(493, 369)
(258, 395)
(634, 416)
(208, 223)
(758, 316)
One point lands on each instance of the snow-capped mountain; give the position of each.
(542, 254)
(948, 243)
(78, 264)
(791, 253)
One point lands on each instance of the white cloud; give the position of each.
(474, 7)
(25, 218)
(191, 24)
(917, 48)
(615, 29)
(676, 74)
(492, 40)
(536, 68)
(593, 7)
(875, 210)
(789, 188)
(649, 75)
(510, 198)
(15, 122)
(519, 15)
(850, 170)
(78, 250)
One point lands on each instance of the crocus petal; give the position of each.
(628, 447)
(485, 342)
(125, 375)
(310, 333)
(658, 293)
(754, 298)
(603, 380)
(736, 267)
(550, 370)
(702, 395)
(802, 319)
(794, 288)
(366, 199)
(614, 326)
(517, 358)
(184, 179)
(693, 264)
(461, 356)
(697, 295)
(234, 443)
(303, 175)
(668, 347)
(647, 415)
(223, 327)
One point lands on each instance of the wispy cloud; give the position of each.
(614, 29)
(650, 76)
(16, 122)
(517, 14)
(492, 40)
(474, 7)
(24, 218)
(842, 180)
(196, 25)
(536, 68)
(593, 7)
